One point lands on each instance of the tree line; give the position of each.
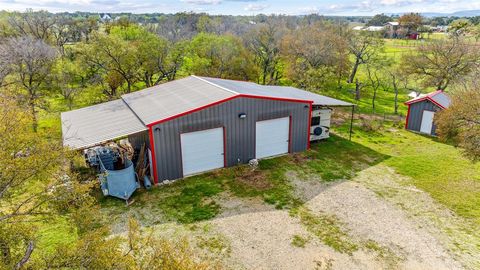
(43, 54)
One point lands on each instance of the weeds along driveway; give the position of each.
(338, 206)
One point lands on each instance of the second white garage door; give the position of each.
(202, 151)
(271, 137)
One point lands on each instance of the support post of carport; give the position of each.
(351, 122)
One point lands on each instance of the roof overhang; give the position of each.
(98, 124)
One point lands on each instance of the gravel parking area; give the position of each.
(263, 240)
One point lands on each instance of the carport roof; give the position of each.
(133, 112)
(99, 123)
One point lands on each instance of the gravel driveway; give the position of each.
(263, 240)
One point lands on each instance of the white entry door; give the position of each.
(202, 151)
(271, 137)
(427, 122)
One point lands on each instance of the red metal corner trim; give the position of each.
(152, 150)
(408, 115)
(423, 99)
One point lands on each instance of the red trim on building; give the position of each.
(408, 115)
(309, 118)
(152, 150)
(225, 100)
(150, 126)
(427, 97)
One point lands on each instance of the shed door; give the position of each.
(272, 137)
(427, 122)
(202, 151)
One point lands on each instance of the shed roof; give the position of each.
(133, 112)
(438, 97)
(99, 123)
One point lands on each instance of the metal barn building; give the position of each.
(198, 124)
(422, 109)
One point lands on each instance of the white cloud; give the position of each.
(309, 10)
(203, 2)
(255, 7)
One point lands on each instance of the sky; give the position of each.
(246, 7)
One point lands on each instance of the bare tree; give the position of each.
(30, 61)
(264, 42)
(375, 74)
(38, 24)
(364, 47)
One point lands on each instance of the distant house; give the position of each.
(105, 17)
(374, 28)
(391, 29)
(422, 109)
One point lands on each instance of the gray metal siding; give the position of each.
(239, 133)
(138, 139)
(416, 113)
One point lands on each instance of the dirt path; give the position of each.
(263, 240)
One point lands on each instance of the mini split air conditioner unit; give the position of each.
(320, 125)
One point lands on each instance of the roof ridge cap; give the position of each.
(216, 85)
(132, 110)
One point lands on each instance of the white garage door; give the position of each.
(202, 151)
(427, 122)
(271, 137)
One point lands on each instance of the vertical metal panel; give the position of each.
(138, 139)
(416, 114)
(240, 133)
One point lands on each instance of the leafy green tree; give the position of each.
(316, 55)
(460, 123)
(440, 63)
(219, 56)
(379, 20)
(69, 79)
(410, 21)
(111, 53)
(33, 186)
(459, 27)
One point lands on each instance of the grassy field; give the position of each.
(432, 166)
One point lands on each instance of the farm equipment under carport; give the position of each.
(116, 170)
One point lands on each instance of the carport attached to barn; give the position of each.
(197, 124)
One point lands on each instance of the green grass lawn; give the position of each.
(435, 167)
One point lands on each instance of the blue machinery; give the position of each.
(120, 182)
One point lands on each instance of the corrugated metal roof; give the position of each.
(95, 124)
(173, 98)
(438, 97)
(99, 123)
(442, 99)
(249, 88)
